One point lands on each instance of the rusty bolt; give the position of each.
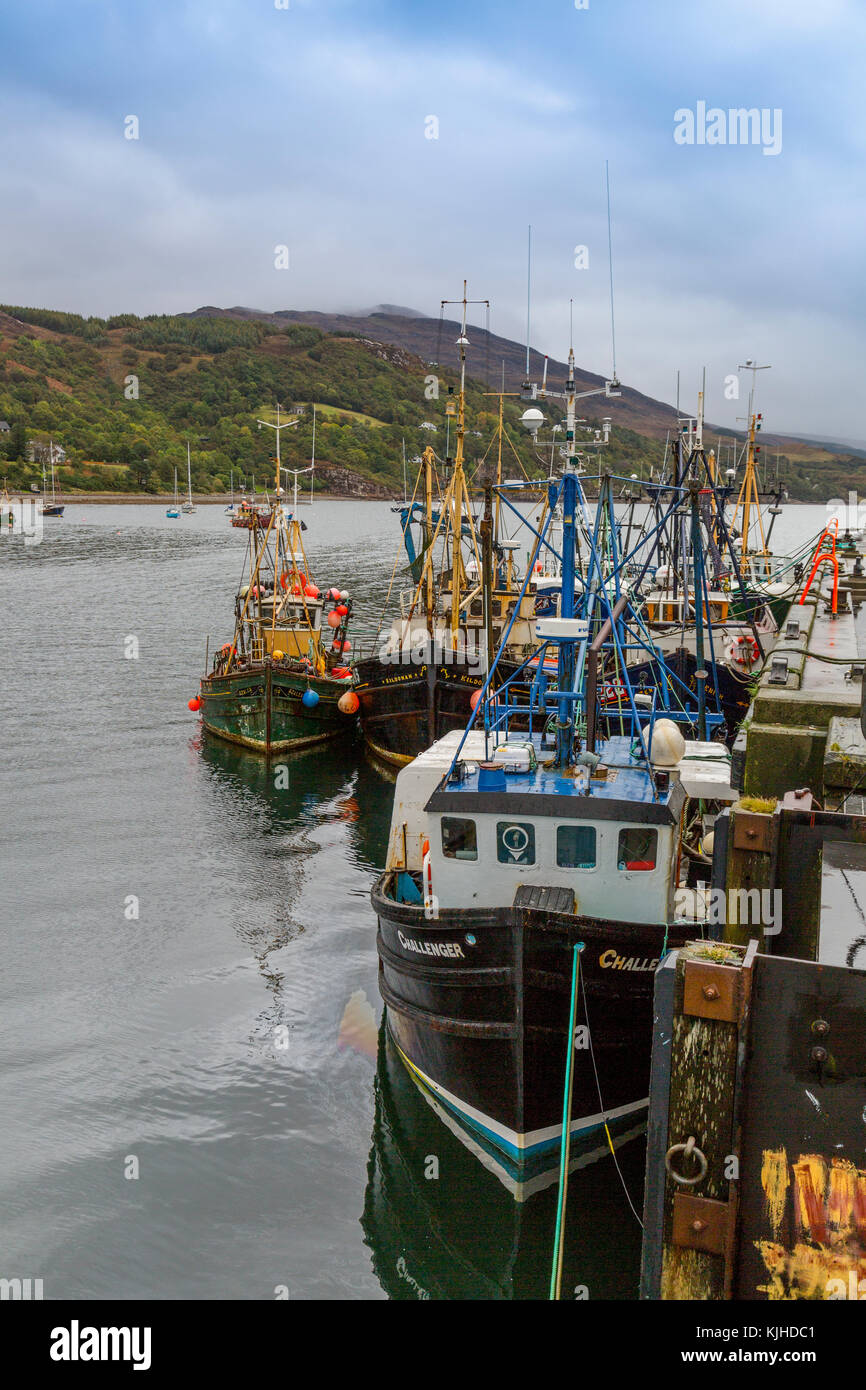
(710, 992)
(819, 1054)
(698, 1225)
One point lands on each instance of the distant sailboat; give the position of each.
(52, 508)
(175, 510)
(189, 505)
(230, 509)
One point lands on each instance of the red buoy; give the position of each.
(194, 704)
(341, 609)
(341, 646)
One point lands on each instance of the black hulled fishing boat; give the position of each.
(419, 680)
(533, 880)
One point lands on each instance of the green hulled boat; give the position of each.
(282, 682)
(261, 705)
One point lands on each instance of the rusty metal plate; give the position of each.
(753, 831)
(701, 1223)
(711, 990)
(802, 1164)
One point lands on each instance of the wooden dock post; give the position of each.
(691, 1191)
(755, 1168)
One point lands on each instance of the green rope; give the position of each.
(565, 1145)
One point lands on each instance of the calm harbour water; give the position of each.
(158, 1037)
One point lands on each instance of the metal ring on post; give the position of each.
(689, 1150)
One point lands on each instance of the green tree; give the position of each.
(17, 441)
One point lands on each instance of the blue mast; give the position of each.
(565, 664)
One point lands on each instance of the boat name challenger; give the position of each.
(431, 948)
(609, 960)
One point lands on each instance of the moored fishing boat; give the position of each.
(719, 565)
(513, 853)
(283, 681)
(418, 681)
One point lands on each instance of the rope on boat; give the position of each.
(601, 1106)
(565, 1145)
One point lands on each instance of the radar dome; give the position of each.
(532, 418)
(668, 744)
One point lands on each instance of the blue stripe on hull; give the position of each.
(521, 1156)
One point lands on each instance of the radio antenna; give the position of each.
(610, 267)
(528, 292)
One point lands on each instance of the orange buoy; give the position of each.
(344, 646)
(341, 609)
(348, 703)
(474, 698)
(194, 704)
(311, 591)
(334, 619)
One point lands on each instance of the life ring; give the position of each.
(745, 651)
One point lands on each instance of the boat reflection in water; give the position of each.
(446, 1220)
(311, 779)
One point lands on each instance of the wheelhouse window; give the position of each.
(515, 842)
(459, 838)
(575, 846)
(637, 848)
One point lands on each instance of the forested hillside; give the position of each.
(122, 396)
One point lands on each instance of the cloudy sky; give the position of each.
(308, 126)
